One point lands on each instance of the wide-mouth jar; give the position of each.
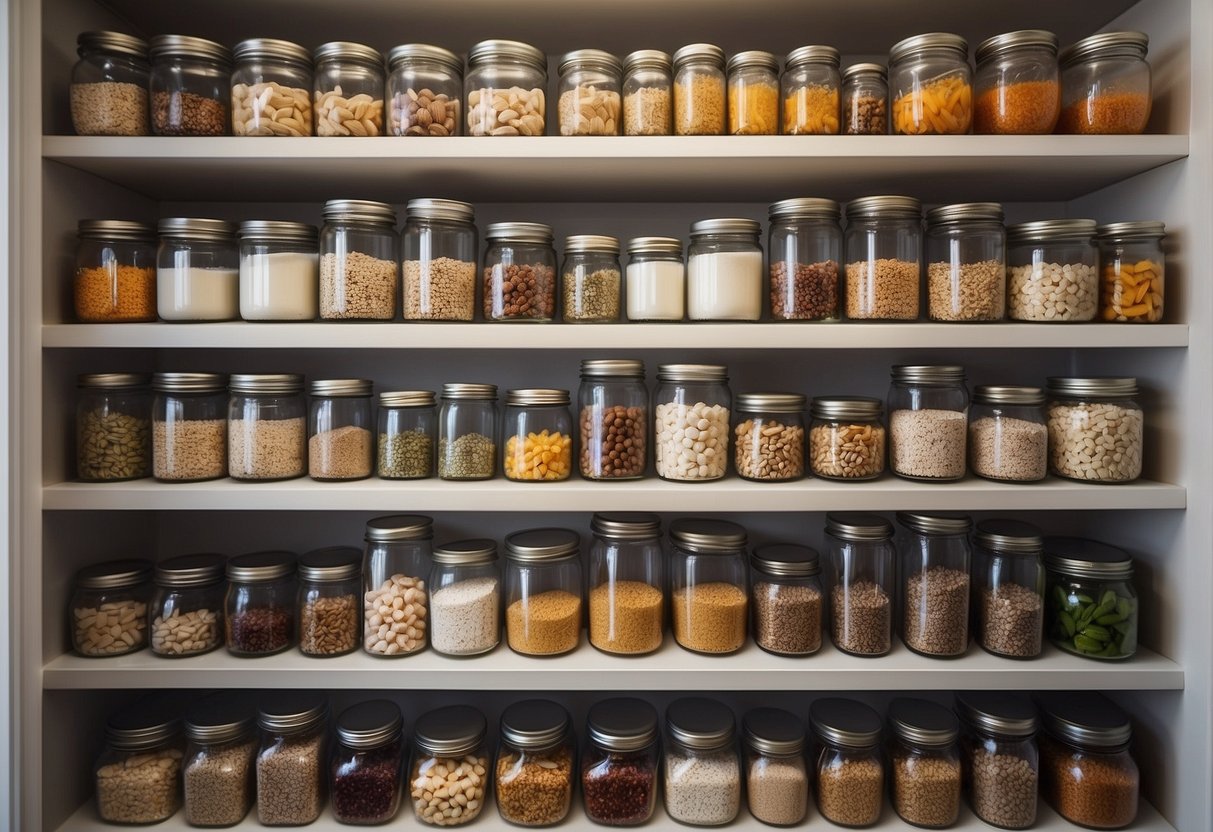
(115, 277)
(340, 445)
(1105, 84)
(1002, 764)
(348, 89)
(865, 100)
(777, 779)
(931, 85)
(590, 101)
(519, 272)
(613, 417)
(358, 260)
(702, 780)
(439, 260)
(1052, 272)
(197, 270)
(810, 91)
(647, 98)
(862, 563)
(536, 760)
(505, 87)
(408, 434)
(113, 426)
(291, 762)
(1132, 271)
(271, 88)
(138, 774)
(787, 598)
(538, 433)
(1092, 606)
(279, 270)
(848, 767)
(267, 427)
(187, 605)
(804, 250)
(190, 90)
(1018, 84)
(108, 610)
(591, 279)
(768, 436)
(1096, 428)
(365, 770)
(189, 426)
(847, 438)
(1008, 437)
(928, 421)
(692, 402)
(656, 279)
(708, 584)
(699, 90)
(425, 91)
(753, 99)
(966, 262)
(935, 563)
(884, 255)
(109, 85)
(924, 759)
(543, 591)
(259, 612)
(396, 574)
(465, 598)
(330, 589)
(626, 582)
(220, 757)
(619, 765)
(724, 270)
(467, 432)
(1008, 588)
(449, 742)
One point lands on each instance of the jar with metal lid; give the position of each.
(1008, 439)
(591, 279)
(259, 611)
(1096, 429)
(590, 100)
(291, 761)
(708, 584)
(533, 775)
(108, 610)
(339, 443)
(768, 437)
(219, 769)
(1087, 772)
(519, 272)
(425, 88)
(931, 85)
(647, 98)
(846, 438)
(366, 766)
(862, 568)
(1017, 85)
(1105, 84)
(115, 277)
(187, 605)
(935, 589)
(699, 90)
(1001, 762)
(966, 262)
(626, 583)
(137, 777)
(804, 248)
(439, 249)
(865, 100)
(884, 254)
(467, 432)
(619, 764)
(330, 592)
(1132, 270)
(928, 422)
(538, 433)
(449, 747)
(1092, 607)
(348, 89)
(753, 100)
(395, 574)
(848, 768)
(656, 279)
(197, 270)
(190, 90)
(924, 763)
(408, 434)
(1051, 271)
(113, 427)
(109, 85)
(505, 84)
(613, 407)
(1008, 588)
(693, 402)
(189, 426)
(465, 598)
(702, 782)
(543, 591)
(279, 270)
(724, 270)
(787, 598)
(358, 260)
(271, 88)
(810, 89)
(266, 427)
(777, 779)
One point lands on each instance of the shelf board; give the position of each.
(629, 169)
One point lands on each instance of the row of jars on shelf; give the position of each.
(267, 87)
(450, 597)
(282, 756)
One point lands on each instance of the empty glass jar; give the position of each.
(924, 763)
(613, 408)
(395, 574)
(724, 270)
(787, 599)
(279, 270)
(1092, 606)
(425, 91)
(348, 90)
(190, 89)
(1002, 764)
(591, 279)
(1008, 588)
(847, 438)
(692, 402)
(1052, 271)
(505, 89)
(259, 612)
(1132, 271)
(590, 100)
(810, 91)
(339, 445)
(109, 85)
(538, 433)
(935, 560)
(966, 262)
(366, 766)
(619, 764)
(108, 610)
(849, 773)
(804, 249)
(439, 260)
(865, 100)
(702, 783)
(1017, 85)
(448, 747)
(465, 598)
(330, 601)
(884, 252)
(931, 85)
(189, 426)
(1096, 429)
(467, 432)
(267, 427)
(536, 761)
(699, 90)
(647, 96)
(519, 272)
(113, 427)
(928, 422)
(543, 591)
(187, 606)
(1008, 439)
(197, 270)
(115, 278)
(358, 260)
(708, 584)
(271, 88)
(753, 101)
(626, 583)
(1105, 84)
(408, 434)
(862, 564)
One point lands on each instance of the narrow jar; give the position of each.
(619, 765)
(190, 89)
(536, 759)
(884, 253)
(439, 264)
(1008, 438)
(1008, 588)
(924, 763)
(613, 417)
(590, 94)
(804, 248)
(1091, 602)
(847, 438)
(358, 261)
(465, 598)
(330, 597)
(279, 270)
(591, 279)
(292, 758)
(115, 277)
(505, 84)
(395, 574)
(425, 91)
(935, 589)
(259, 612)
(1132, 271)
(408, 434)
(777, 778)
(367, 763)
(109, 85)
(543, 591)
(966, 262)
(626, 584)
(187, 605)
(699, 90)
(113, 405)
(753, 100)
(197, 270)
(768, 437)
(810, 88)
(931, 85)
(449, 746)
(189, 426)
(1051, 271)
(219, 768)
(708, 585)
(928, 422)
(787, 599)
(109, 596)
(1001, 761)
(519, 272)
(339, 445)
(724, 270)
(1018, 85)
(693, 402)
(266, 427)
(137, 777)
(865, 100)
(647, 93)
(467, 432)
(348, 89)
(538, 433)
(702, 782)
(271, 88)
(656, 279)
(848, 769)
(862, 563)
(1095, 429)
(1105, 84)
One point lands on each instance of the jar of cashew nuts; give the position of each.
(846, 439)
(449, 752)
(425, 90)
(187, 606)
(1095, 429)
(348, 90)
(271, 89)
(1131, 271)
(395, 571)
(505, 85)
(108, 610)
(590, 103)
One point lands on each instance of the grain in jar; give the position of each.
(109, 85)
(753, 98)
(449, 753)
(804, 250)
(883, 251)
(465, 598)
(865, 100)
(439, 260)
(358, 261)
(966, 262)
(647, 93)
(847, 438)
(931, 85)
(1017, 84)
(259, 611)
(395, 574)
(1008, 438)
(1132, 271)
(626, 581)
(271, 88)
(691, 431)
(810, 91)
(777, 779)
(1002, 764)
(425, 91)
(189, 87)
(1008, 588)
(699, 90)
(408, 434)
(219, 768)
(266, 427)
(1092, 607)
(848, 772)
(543, 591)
(861, 574)
(591, 281)
(613, 417)
(787, 599)
(197, 270)
(1106, 85)
(519, 272)
(620, 762)
(1096, 429)
(186, 613)
(928, 422)
(708, 585)
(534, 772)
(702, 772)
(935, 588)
(291, 760)
(279, 271)
(108, 610)
(1052, 274)
(115, 275)
(538, 432)
(724, 270)
(590, 102)
(340, 442)
(924, 763)
(365, 769)
(768, 437)
(189, 426)
(330, 622)
(137, 777)
(504, 89)
(467, 431)
(348, 90)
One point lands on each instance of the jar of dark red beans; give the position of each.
(619, 766)
(365, 773)
(260, 607)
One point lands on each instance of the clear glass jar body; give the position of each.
(187, 620)
(626, 597)
(966, 271)
(291, 776)
(683, 405)
(418, 84)
(519, 281)
(619, 788)
(1008, 442)
(1008, 593)
(787, 616)
(109, 93)
(364, 783)
(115, 280)
(534, 787)
(396, 571)
(543, 606)
(590, 99)
(1001, 777)
(538, 443)
(190, 94)
(430, 772)
(103, 414)
(408, 439)
(197, 279)
(267, 436)
(810, 93)
(925, 783)
(862, 589)
(928, 430)
(330, 619)
(614, 424)
(656, 287)
(847, 449)
(804, 255)
(1132, 275)
(769, 445)
(220, 780)
(339, 445)
(1106, 94)
(506, 98)
(279, 280)
(883, 268)
(271, 97)
(1092, 787)
(138, 786)
(259, 616)
(724, 278)
(465, 609)
(777, 787)
(850, 784)
(648, 102)
(109, 622)
(931, 91)
(1018, 92)
(592, 287)
(467, 440)
(702, 787)
(348, 97)
(1052, 281)
(935, 592)
(699, 98)
(1092, 617)
(1115, 426)
(709, 599)
(439, 269)
(358, 271)
(189, 436)
(753, 101)
(865, 103)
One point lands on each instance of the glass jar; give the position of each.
(1018, 84)
(197, 270)
(804, 248)
(1008, 439)
(519, 272)
(279, 270)
(848, 767)
(708, 584)
(449, 741)
(1092, 603)
(1001, 763)
(590, 100)
(769, 437)
(884, 254)
(862, 563)
(291, 761)
(626, 584)
(465, 598)
(924, 763)
(348, 89)
(777, 779)
(647, 99)
(339, 445)
(1008, 588)
(591, 279)
(505, 87)
(366, 766)
(533, 775)
(699, 90)
(467, 432)
(1132, 269)
(107, 597)
(619, 764)
(702, 783)
(220, 757)
(271, 89)
(543, 591)
(330, 586)
(358, 259)
(408, 434)
(115, 278)
(1105, 84)
(656, 279)
(693, 402)
(613, 404)
(189, 426)
(1095, 429)
(865, 100)
(724, 270)
(439, 260)
(259, 611)
(787, 598)
(189, 86)
(113, 427)
(138, 775)
(931, 85)
(966, 262)
(935, 590)
(538, 432)
(395, 573)
(847, 438)
(266, 427)
(753, 104)
(810, 89)
(425, 88)
(1051, 271)
(928, 422)
(109, 85)
(187, 605)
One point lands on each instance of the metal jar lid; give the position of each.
(341, 387)
(1010, 537)
(540, 545)
(260, 49)
(805, 208)
(962, 212)
(576, 243)
(928, 374)
(409, 52)
(520, 232)
(204, 569)
(713, 373)
(189, 382)
(147, 724)
(996, 712)
(534, 724)
(474, 552)
(276, 231)
(647, 59)
(451, 210)
(596, 58)
(1077, 557)
(935, 523)
(699, 53)
(1086, 720)
(786, 560)
(111, 42)
(920, 722)
(489, 51)
(1106, 45)
(185, 46)
(931, 41)
(469, 392)
(288, 384)
(288, 712)
(406, 398)
(725, 225)
(814, 54)
(770, 403)
(622, 724)
(753, 59)
(612, 368)
(450, 731)
(845, 722)
(197, 228)
(394, 527)
(707, 536)
(259, 567)
(115, 574)
(359, 210)
(853, 408)
(537, 397)
(867, 70)
(700, 723)
(1008, 395)
(369, 725)
(332, 563)
(221, 717)
(1120, 232)
(654, 245)
(773, 731)
(1092, 387)
(858, 526)
(124, 231)
(1000, 45)
(113, 381)
(884, 206)
(1048, 231)
(626, 525)
(344, 50)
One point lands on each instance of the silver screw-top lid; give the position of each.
(289, 712)
(845, 722)
(805, 208)
(259, 567)
(341, 387)
(450, 210)
(189, 382)
(884, 206)
(962, 212)
(928, 374)
(197, 228)
(260, 49)
(1047, 231)
(1008, 395)
(450, 731)
(111, 42)
(577, 243)
(725, 225)
(996, 712)
(474, 552)
(1092, 387)
(332, 563)
(1000, 45)
(647, 59)
(813, 54)
(858, 526)
(203, 569)
(1120, 232)
(1077, 557)
(520, 232)
(534, 724)
(115, 574)
(655, 245)
(359, 210)
(276, 231)
(222, 717)
(185, 46)
(753, 59)
(593, 58)
(714, 373)
(345, 51)
(113, 381)
(622, 724)
(149, 723)
(406, 398)
(469, 392)
(700, 723)
(870, 71)
(770, 403)
(707, 536)
(612, 368)
(774, 732)
(423, 52)
(786, 560)
(126, 231)
(1011, 537)
(929, 42)
(287, 384)
(935, 523)
(369, 725)
(490, 51)
(1087, 720)
(699, 53)
(535, 545)
(626, 525)
(395, 527)
(854, 408)
(1106, 45)
(920, 722)
(537, 397)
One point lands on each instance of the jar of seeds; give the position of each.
(998, 746)
(467, 432)
(626, 580)
(534, 772)
(787, 599)
(619, 765)
(259, 612)
(848, 768)
(439, 260)
(862, 561)
(1008, 435)
(113, 427)
(647, 99)
(924, 763)
(702, 783)
(219, 767)
(189, 426)
(777, 779)
(1009, 584)
(364, 773)
(543, 591)
(591, 279)
(935, 556)
(291, 761)
(408, 434)
(358, 261)
(708, 584)
(465, 598)
(339, 443)
(928, 422)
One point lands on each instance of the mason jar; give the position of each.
(465, 598)
(1132, 271)
(187, 605)
(109, 85)
(692, 402)
(768, 437)
(271, 88)
(395, 575)
(1017, 85)
(787, 598)
(1092, 607)
(538, 433)
(862, 563)
(197, 270)
(467, 432)
(804, 248)
(348, 89)
(190, 90)
(113, 427)
(724, 270)
(591, 279)
(810, 88)
(928, 422)
(1008, 438)
(753, 100)
(108, 610)
(519, 272)
(931, 85)
(1105, 84)
(1001, 761)
(259, 611)
(847, 438)
(448, 741)
(626, 583)
(1008, 588)
(1052, 271)
(884, 255)
(543, 591)
(966, 262)
(358, 261)
(425, 91)
(536, 760)
(935, 589)
(619, 764)
(699, 90)
(506, 82)
(439, 260)
(219, 768)
(613, 408)
(848, 768)
(708, 584)
(266, 427)
(924, 763)
(656, 279)
(1095, 429)
(279, 270)
(647, 93)
(330, 597)
(777, 779)
(189, 426)
(367, 763)
(408, 434)
(115, 277)
(590, 100)
(702, 782)
(137, 777)
(865, 100)
(292, 758)
(339, 430)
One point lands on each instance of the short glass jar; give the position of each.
(626, 584)
(219, 769)
(366, 766)
(189, 426)
(467, 432)
(848, 769)
(777, 779)
(449, 741)
(1098, 411)
(271, 88)
(137, 777)
(768, 437)
(1017, 85)
(924, 763)
(538, 433)
(519, 272)
(804, 248)
(647, 97)
(408, 434)
(339, 445)
(1008, 439)
(439, 260)
(699, 90)
(884, 256)
(865, 100)
(348, 89)
(505, 89)
(619, 764)
(425, 91)
(656, 279)
(1105, 84)
(708, 585)
(536, 760)
(810, 90)
(113, 405)
(846, 438)
(259, 611)
(266, 427)
(197, 270)
(279, 270)
(1091, 603)
(465, 598)
(1008, 588)
(613, 417)
(107, 597)
(935, 590)
(1001, 762)
(395, 574)
(724, 270)
(1052, 271)
(931, 85)
(543, 591)
(787, 599)
(966, 262)
(753, 101)
(1132, 271)
(330, 592)
(115, 277)
(190, 89)
(702, 782)
(928, 422)
(109, 85)
(862, 568)
(590, 94)
(591, 279)
(692, 402)
(187, 605)
(358, 261)
(291, 761)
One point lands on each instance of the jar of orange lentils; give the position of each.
(1017, 85)
(931, 85)
(1105, 82)
(115, 280)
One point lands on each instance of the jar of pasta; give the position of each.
(699, 90)
(1131, 269)
(930, 85)
(647, 93)
(810, 89)
(753, 104)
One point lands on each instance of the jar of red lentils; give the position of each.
(1105, 84)
(1017, 86)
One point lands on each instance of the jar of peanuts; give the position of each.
(934, 586)
(439, 260)
(848, 770)
(1052, 271)
(753, 104)
(884, 256)
(359, 261)
(330, 601)
(865, 100)
(186, 613)
(847, 438)
(425, 88)
(137, 777)
(804, 250)
(590, 101)
(449, 750)
(1132, 270)
(768, 437)
(519, 272)
(1096, 429)
(931, 85)
(467, 432)
(1001, 761)
(647, 97)
(536, 763)
(810, 90)
(692, 405)
(339, 445)
(538, 434)
(699, 90)
(613, 408)
(627, 583)
(108, 610)
(1105, 84)
(115, 279)
(966, 262)
(395, 571)
(348, 89)
(111, 405)
(543, 591)
(190, 86)
(271, 88)
(1017, 84)
(591, 280)
(1008, 588)
(861, 577)
(109, 85)
(924, 762)
(505, 85)
(708, 585)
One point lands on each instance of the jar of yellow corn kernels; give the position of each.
(538, 435)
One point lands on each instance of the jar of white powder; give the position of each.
(702, 770)
(465, 598)
(197, 274)
(279, 271)
(724, 270)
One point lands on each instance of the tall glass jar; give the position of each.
(928, 422)
(467, 432)
(768, 437)
(330, 589)
(753, 101)
(197, 270)
(348, 89)
(787, 599)
(259, 611)
(339, 445)
(884, 255)
(465, 598)
(519, 272)
(847, 438)
(656, 279)
(266, 427)
(1008, 439)
(115, 277)
(449, 741)
(862, 569)
(190, 88)
(966, 262)
(935, 590)
(708, 584)
(924, 763)
(108, 610)
(1001, 762)
(439, 260)
(619, 764)
(109, 85)
(699, 90)
(613, 408)
(1017, 84)
(724, 270)
(366, 766)
(810, 89)
(1008, 588)
(1132, 270)
(590, 101)
(358, 261)
(408, 434)
(536, 760)
(702, 783)
(137, 777)
(647, 99)
(1105, 84)
(626, 584)
(425, 91)
(777, 779)
(804, 248)
(505, 87)
(931, 85)
(1096, 429)
(109, 406)
(538, 433)
(1051, 271)
(848, 769)
(271, 88)
(279, 270)
(692, 402)
(219, 768)
(395, 573)
(189, 426)
(1092, 607)
(187, 606)
(543, 591)
(865, 100)
(292, 759)
(591, 280)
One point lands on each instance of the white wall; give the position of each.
(7, 808)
